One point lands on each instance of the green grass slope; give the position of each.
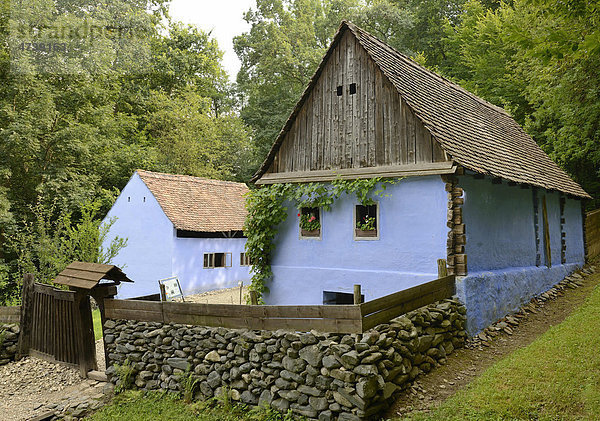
(557, 377)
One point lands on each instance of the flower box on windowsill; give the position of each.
(311, 233)
(365, 233)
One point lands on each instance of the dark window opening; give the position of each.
(310, 222)
(366, 223)
(129, 199)
(339, 298)
(352, 88)
(245, 260)
(144, 199)
(340, 90)
(217, 260)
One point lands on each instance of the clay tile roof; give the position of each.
(198, 204)
(478, 135)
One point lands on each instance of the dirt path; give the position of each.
(219, 296)
(33, 387)
(516, 332)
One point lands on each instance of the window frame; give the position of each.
(245, 260)
(377, 221)
(210, 259)
(316, 237)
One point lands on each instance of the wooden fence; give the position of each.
(592, 233)
(324, 318)
(10, 314)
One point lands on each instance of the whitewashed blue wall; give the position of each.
(501, 248)
(155, 252)
(188, 264)
(150, 236)
(412, 236)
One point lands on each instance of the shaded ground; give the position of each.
(466, 364)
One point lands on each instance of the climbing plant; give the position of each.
(267, 210)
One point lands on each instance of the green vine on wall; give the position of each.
(266, 211)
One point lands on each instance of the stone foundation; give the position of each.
(316, 375)
(9, 336)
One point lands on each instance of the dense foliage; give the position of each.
(536, 58)
(140, 91)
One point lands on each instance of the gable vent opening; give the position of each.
(339, 90)
(352, 88)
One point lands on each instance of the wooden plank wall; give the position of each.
(333, 319)
(592, 234)
(373, 127)
(53, 327)
(10, 314)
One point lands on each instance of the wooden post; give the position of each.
(357, 294)
(442, 268)
(253, 298)
(84, 329)
(100, 294)
(163, 292)
(26, 316)
(241, 290)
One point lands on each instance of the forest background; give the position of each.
(143, 91)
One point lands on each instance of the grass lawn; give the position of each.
(97, 324)
(144, 406)
(557, 377)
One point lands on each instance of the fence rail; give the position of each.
(592, 233)
(10, 314)
(323, 318)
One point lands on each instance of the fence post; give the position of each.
(253, 298)
(357, 294)
(163, 292)
(25, 317)
(442, 268)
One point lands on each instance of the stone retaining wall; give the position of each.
(9, 336)
(324, 376)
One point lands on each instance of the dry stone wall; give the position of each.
(318, 376)
(9, 336)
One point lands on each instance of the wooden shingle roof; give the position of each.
(87, 275)
(198, 204)
(476, 134)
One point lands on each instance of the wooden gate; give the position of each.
(56, 334)
(56, 324)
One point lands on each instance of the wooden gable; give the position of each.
(368, 130)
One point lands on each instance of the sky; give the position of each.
(223, 17)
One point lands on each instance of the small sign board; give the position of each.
(172, 288)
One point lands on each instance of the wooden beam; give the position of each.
(355, 173)
(357, 295)
(26, 315)
(406, 295)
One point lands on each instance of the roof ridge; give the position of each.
(353, 28)
(190, 178)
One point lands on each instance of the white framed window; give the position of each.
(217, 260)
(366, 222)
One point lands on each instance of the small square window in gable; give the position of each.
(310, 222)
(366, 221)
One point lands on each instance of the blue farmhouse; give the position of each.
(476, 190)
(182, 226)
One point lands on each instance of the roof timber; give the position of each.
(472, 132)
